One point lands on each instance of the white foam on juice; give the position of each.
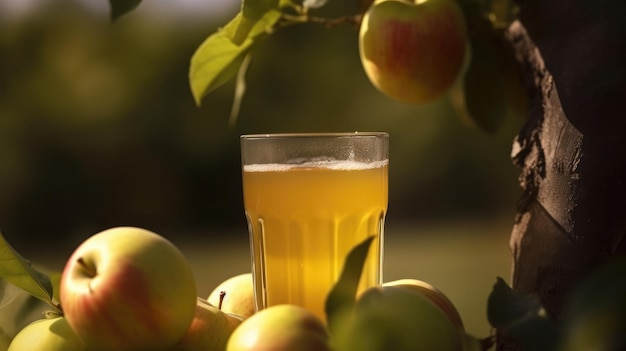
(347, 165)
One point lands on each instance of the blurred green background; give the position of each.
(98, 128)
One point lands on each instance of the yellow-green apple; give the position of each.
(53, 334)
(128, 288)
(595, 310)
(434, 294)
(399, 319)
(235, 295)
(209, 330)
(280, 328)
(413, 50)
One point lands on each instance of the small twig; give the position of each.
(354, 20)
(287, 20)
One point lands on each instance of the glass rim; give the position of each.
(313, 135)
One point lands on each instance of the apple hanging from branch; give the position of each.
(413, 51)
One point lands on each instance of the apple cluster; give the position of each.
(127, 289)
(402, 315)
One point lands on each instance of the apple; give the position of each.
(434, 294)
(399, 319)
(413, 51)
(235, 295)
(209, 330)
(280, 328)
(594, 315)
(128, 288)
(53, 334)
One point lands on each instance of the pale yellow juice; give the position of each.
(303, 222)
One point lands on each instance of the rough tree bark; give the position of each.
(572, 150)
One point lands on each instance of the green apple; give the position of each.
(209, 330)
(435, 295)
(413, 51)
(396, 318)
(280, 328)
(53, 334)
(595, 312)
(128, 288)
(235, 295)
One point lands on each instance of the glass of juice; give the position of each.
(309, 199)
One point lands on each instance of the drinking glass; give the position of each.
(309, 199)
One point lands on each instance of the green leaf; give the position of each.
(16, 270)
(492, 87)
(121, 7)
(252, 11)
(256, 9)
(594, 317)
(218, 59)
(522, 318)
(505, 307)
(343, 295)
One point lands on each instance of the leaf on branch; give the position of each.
(491, 88)
(218, 58)
(343, 295)
(505, 307)
(122, 7)
(252, 11)
(17, 271)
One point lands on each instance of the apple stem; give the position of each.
(58, 307)
(222, 295)
(90, 270)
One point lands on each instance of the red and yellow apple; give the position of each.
(280, 328)
(235, 295)
(413, 50)
(52, 334)
(209, 330)
(127, 288)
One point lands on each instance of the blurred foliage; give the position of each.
(98, 126)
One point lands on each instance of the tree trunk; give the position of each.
(572, 150)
